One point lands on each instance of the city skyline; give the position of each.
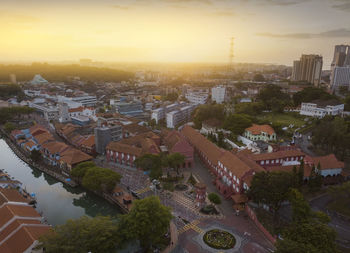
(265, 31)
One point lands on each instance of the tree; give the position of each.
(80, 170)
(9, 127)
(273, 98)
(271, 188)
(99, 234)
(237, 123)
(308, 231)
(315, 179)
(148, 221)
(172, 97)
(35, 155)
(259, 78)
(151, 163)
(100, 179)
(204, 112)
(252, 109)
(311, 93)
(175, 160)
(214, 198)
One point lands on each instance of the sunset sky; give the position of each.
(266, 31)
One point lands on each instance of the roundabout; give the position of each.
(219, 239)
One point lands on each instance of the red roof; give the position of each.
(326, 162)
(209, 149)
(258, 129)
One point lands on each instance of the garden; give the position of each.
(219, 239)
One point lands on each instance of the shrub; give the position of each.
(214, 198)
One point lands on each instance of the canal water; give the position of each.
(56, 202)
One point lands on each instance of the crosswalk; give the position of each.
(146, 189)
(193, 226)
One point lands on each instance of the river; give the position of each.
(56, 202)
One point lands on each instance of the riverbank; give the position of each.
(27, 160)
(57, 202)
(68, 181)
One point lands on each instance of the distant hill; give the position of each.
(54, 73)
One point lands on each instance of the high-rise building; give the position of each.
(340, 53)
(340, 75)
(218, 94)
(308, 68)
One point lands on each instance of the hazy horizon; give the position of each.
(172, 31)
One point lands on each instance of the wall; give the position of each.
(253, 217)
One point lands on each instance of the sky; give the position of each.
(265, 31)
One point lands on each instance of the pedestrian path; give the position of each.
(144, 190)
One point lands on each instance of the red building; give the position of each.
(176, 143)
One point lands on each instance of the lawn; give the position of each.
(284, 119)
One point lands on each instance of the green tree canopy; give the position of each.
(11, 90)
(204, 112)
(271, 188)
(237, 123)
(99, 234)
(311, 93)
(80, 170)
(214, 198)
(100, 179)
(273, 98)
(175, 160)
(308, 231)
(148, 221)
(252, 109)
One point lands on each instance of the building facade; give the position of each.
(320, 109)
(218, 94)
(260, 133)
(308, 68)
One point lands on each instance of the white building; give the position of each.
(340, 77)
(197, 97)
(177, 117)
(320, 109)
(218, 94)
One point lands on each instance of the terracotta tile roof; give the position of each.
(234, 164)
(277, 155)
(149, 146)
(14, 225)
(8, 211)
(326, 162)
(78, 109)
(258, 129)
(74, 156)
(89, 141)
(125, 148)
(37, 129)
(44, 137)
(244, 157)
(172, 138)
(23, 238)
(289, 168)
(55, 147)
(203, 144)
(135, 128)
(11, 195)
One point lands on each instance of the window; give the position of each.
(262, 162)
(237, 181)
(267, 161)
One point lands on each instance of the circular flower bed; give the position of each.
(219, 239)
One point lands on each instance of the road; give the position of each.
(341, 226)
